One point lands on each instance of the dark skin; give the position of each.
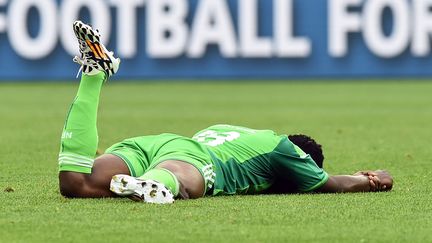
(362, 181)
(96, 184)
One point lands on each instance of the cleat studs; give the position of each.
(94, 54)
(154, 186)
(153, 193)
(164, 193)
(124, 182)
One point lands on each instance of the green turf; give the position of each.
(362, 125)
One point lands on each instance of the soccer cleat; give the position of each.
(149, 191)
(95, 57)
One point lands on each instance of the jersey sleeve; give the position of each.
(292, 164)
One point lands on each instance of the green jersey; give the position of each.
(249, 161)
(231, 159)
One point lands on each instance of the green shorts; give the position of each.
(144, 153)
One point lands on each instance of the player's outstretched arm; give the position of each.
(363, 181)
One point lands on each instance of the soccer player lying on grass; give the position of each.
(219, 160)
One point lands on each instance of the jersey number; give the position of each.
(213, 138)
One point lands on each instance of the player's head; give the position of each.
(309, 146)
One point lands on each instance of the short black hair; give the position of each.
(309, 146)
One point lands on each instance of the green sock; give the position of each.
(80, 138)
(165, 177)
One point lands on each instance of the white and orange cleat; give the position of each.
(95, 57)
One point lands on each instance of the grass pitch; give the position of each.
(362, 125)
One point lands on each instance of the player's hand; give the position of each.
(380, 180)
(374, 183)
(386, 180)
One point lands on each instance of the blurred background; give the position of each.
(222, 39)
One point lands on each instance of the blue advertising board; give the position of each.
(212, 39)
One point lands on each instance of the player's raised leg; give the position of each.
(81, 175)
(80, 138)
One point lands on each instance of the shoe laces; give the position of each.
(82, 62)
(83, 49)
